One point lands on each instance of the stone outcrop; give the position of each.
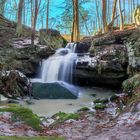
(133, 49)
(106, 66)
(113, 57)
(25, 58)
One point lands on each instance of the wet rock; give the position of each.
(13, 101)
(54, 91)
(132, 84)
(82, 47)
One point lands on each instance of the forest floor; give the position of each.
(101, 126)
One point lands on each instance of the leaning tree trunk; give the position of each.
(19, 23)
(75, 36)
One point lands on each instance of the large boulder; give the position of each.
(82, 47)
(56, 90)
(51, 38)
(13, 84)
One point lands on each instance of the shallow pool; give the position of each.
(48, 107)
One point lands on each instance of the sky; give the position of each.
(56, 10)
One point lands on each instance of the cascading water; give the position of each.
(59, 67)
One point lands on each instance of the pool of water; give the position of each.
(48, 107)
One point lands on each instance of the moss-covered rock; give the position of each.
(113, 98)
(131, 84)
(99, 106)
(103, 100)
(61, 117)
(51, 38)
(84, 109)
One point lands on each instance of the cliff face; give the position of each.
(112, 57)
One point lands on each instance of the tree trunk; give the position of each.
(19, 22)
(97, 12)
(105, 27)
(124, 10)
(121, 16)
(113, 12)
(47, 14)
(75, 36)
(2, 4)
(36, 9)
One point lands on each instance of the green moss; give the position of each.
(113, 98)
(84, 109)
(24, 114)
(99, 106)
(104, 100)
(92, 50)
(30, 138)
(66, 116)
(93, 95)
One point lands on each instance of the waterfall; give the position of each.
(59, 67)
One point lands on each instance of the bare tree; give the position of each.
(2, 4)
(121, 16)
(105, 26)
(35, 5)
(19, 22)
(75, 36)
(114, 12)
(97, 12)
(47, 14)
